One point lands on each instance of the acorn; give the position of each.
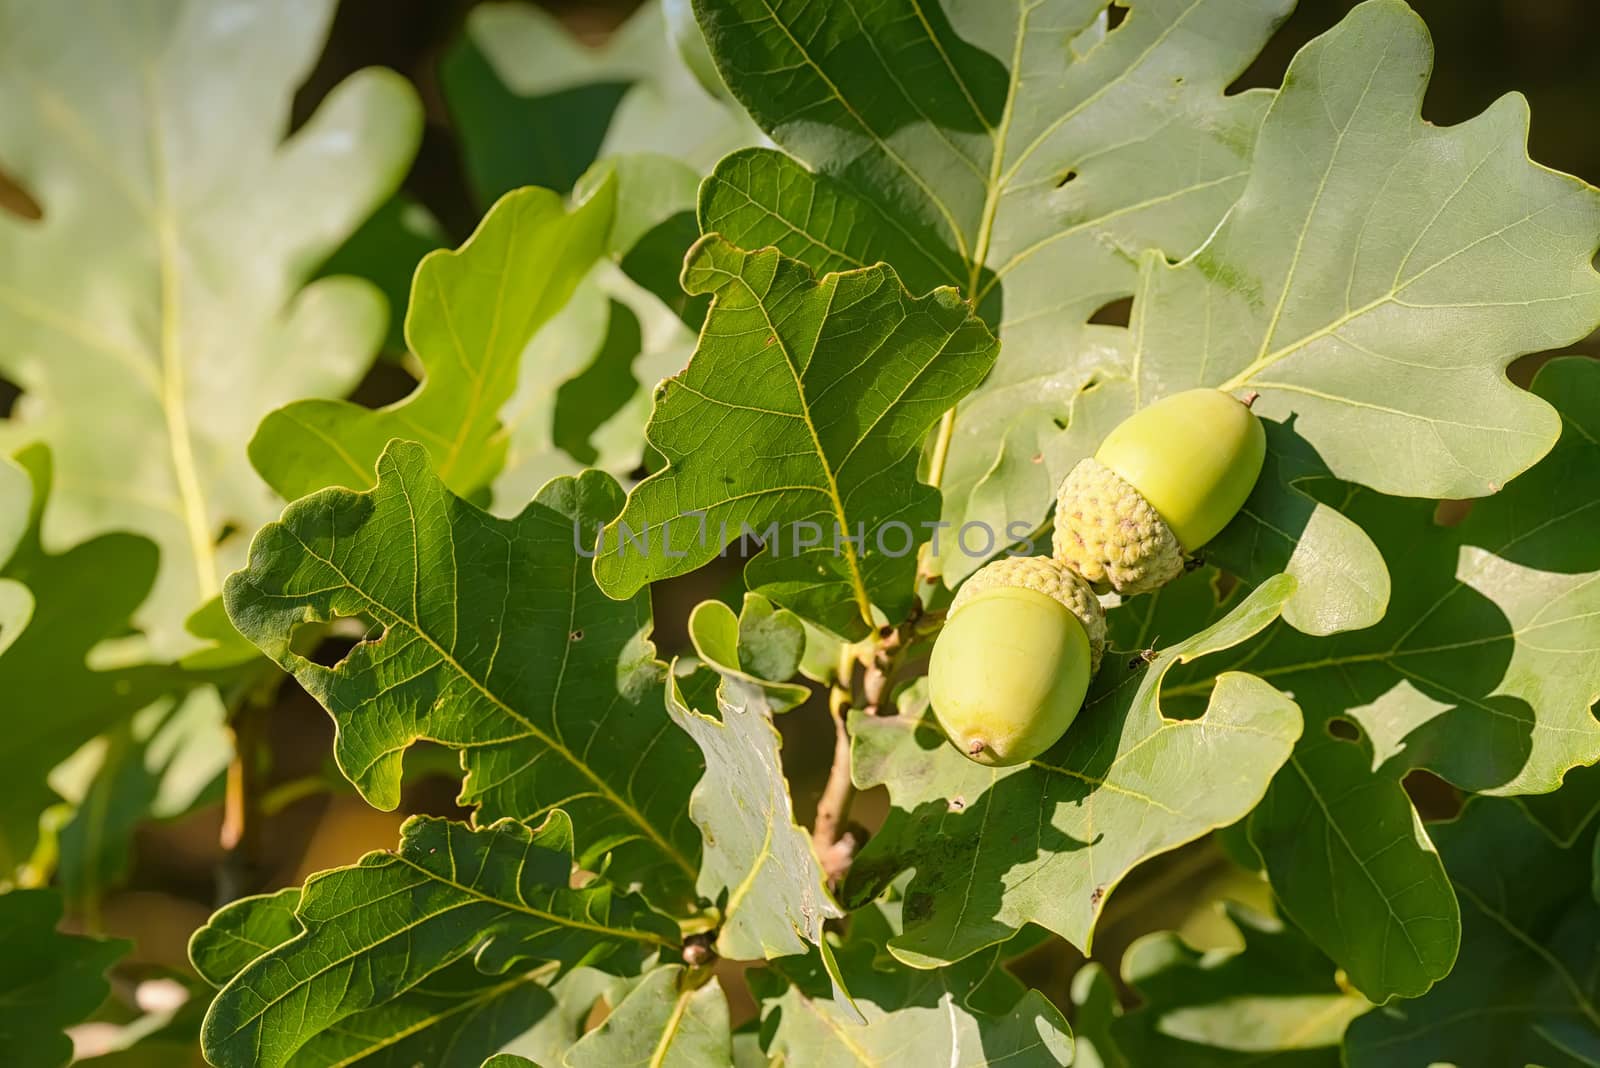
(1161, 485)
(1012, 665)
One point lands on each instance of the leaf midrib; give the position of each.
(857, 582)
(617, 801)
(174, 392)
(472, 1002)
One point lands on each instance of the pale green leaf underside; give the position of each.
(972, 1014)
(664, 1022)
(1123, 784)
(758, 865)
(806, 402)
(472, 312)
(375, 931)
(586, 386)
(1483, 673)
(494, 641)
(536, 106)
(1378, 273)
(167, 279)
(1017, 150)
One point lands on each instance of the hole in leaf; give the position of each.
(1435, 799)
(386, 382)
(15, 200)
(1178, 80)
(330, 644)
(9, 392)
(1071, 175)
(1451, 513)
(1116, 15)
(1115, 313)
(1343, 729)
(226, 531)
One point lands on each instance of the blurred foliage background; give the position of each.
(313, 820)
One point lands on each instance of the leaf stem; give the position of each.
(941, 448)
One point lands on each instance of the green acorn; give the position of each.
(1012, 665)
(1161, 485)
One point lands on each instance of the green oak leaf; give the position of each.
(48, 980)
(1273, 1002)
(458, 1014)
(1482, 673)
(1347, 854)
(758, 865)
(585, 389)
(534, 106)
(1349, 859)
(494, 641)
(1046, 842)
(1373, 282)
(665, 1021)
(1018, 150)
(970, 1014)
(1524, 989)
(762, 645)
(375, 933)
(54, 609)
(800, 414)
(241, 931)
(1374, 279)
(471, 314)
(166, 281)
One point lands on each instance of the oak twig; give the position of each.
(836, 850)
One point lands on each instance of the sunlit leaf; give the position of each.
(970, 1015)
(801, 413)
(491, 638)
(448, 900)
(1047, 842)
(666, 1021)
(472, 312)
(166, 282)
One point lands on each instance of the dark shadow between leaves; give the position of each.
(547, 140)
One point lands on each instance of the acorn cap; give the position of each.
(1109, 534)
(1042, 575)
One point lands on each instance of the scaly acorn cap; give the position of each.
(1042, 575)
(1108, 533)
